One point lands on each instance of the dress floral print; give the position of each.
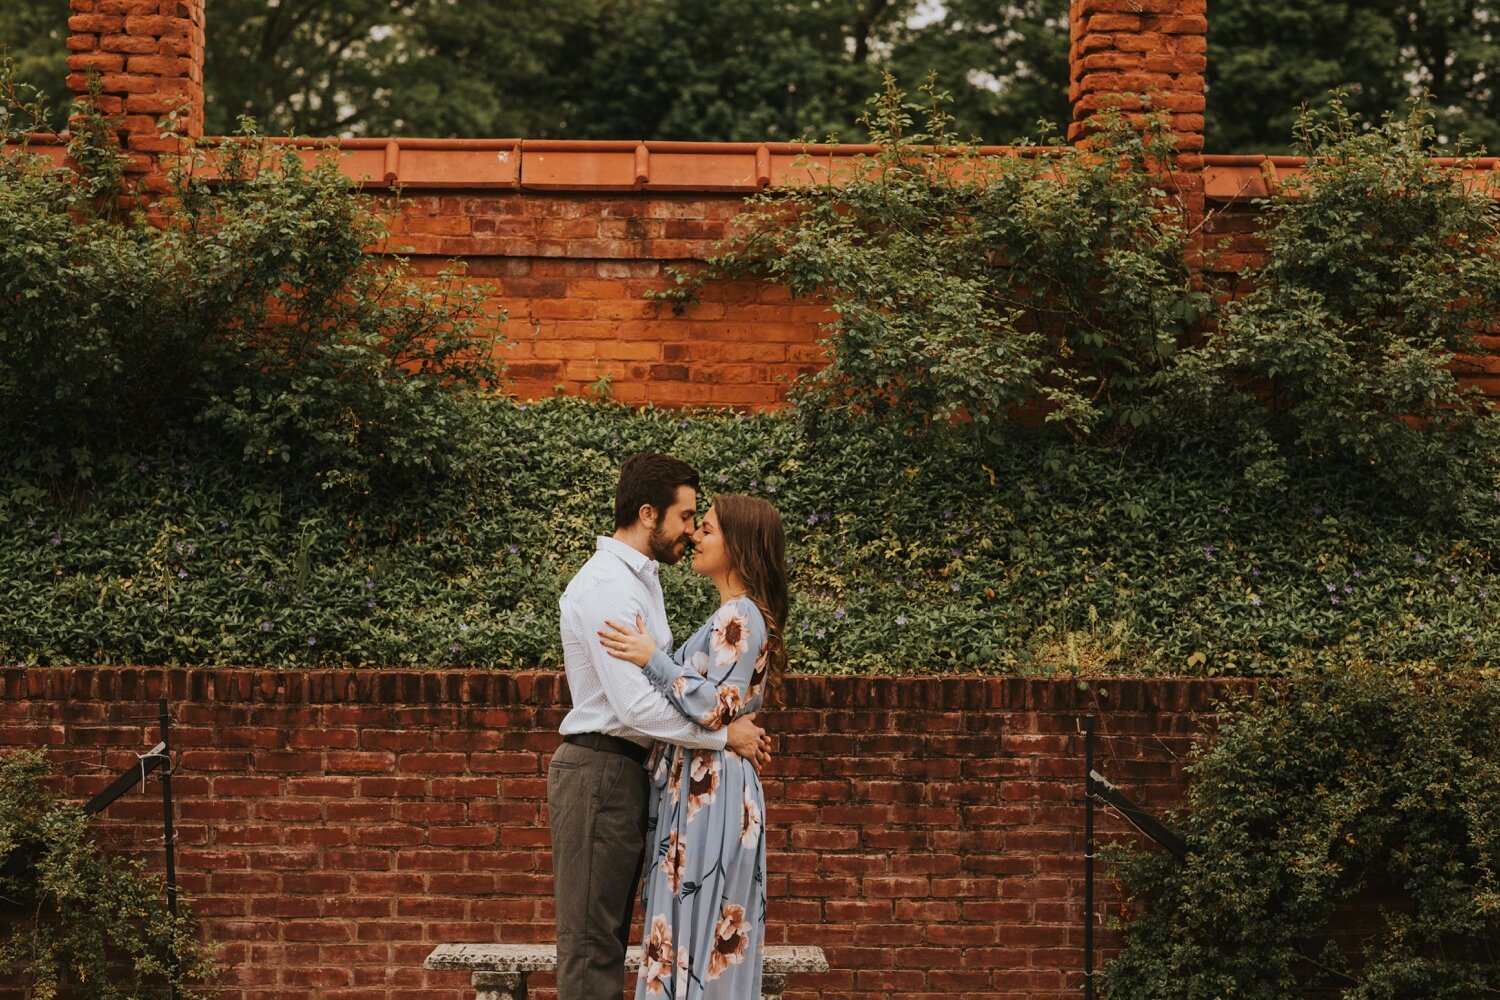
(705, 878)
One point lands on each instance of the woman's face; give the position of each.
(709, 555)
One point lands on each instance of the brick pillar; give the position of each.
(149, 54)
(1131, 53)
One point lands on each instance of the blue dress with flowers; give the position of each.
(704, 885)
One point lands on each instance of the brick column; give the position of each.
(149, 54)
(1131, 54)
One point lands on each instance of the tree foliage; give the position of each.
(704, 70)
(1264, 60)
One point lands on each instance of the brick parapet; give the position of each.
(333, 825)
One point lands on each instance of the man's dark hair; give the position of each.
(649, 478)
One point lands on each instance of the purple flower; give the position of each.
(1224, 509)
(513, 548)
(452, 647)
(1334, 599)
(806, 626)
(1318, 509)
(265, 626)
(812, 519)
(723, 477)
(900, 619)
(947, 513)
(967, 532)
(826, 516)
(953, 586)
(1419, 559)
(223, 523)
(955, 552)
(1357, 574)
(463, 626)
(369, 584)
(1208, 551)
(1348, 588)
(838, 614)
(142, 468)
(1452, 577)
(1255, 600)
(312, 640)
(370, 603)
(1484, 593)
(31, 522)
(754, 483)
(56, 540)
(1331, 587)
(822, 633)
(182, 467)
(182, 574)
(1255, 571)
(1468, 638)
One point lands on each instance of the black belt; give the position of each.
(609, 744)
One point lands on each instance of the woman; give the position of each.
(705, 879)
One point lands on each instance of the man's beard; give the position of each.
(665, 548)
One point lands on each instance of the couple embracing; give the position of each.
(657, 777)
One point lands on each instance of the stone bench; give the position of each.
(500, 970)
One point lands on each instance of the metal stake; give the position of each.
(171, 841)
(1088, 858)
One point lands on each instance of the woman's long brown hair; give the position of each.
(756, 544)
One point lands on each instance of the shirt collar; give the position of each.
(640, 564)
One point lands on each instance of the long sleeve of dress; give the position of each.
(717, 672)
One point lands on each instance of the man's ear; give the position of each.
(648, 516)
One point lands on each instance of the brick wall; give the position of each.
(333, 826)
(568, 236)
(571, 269)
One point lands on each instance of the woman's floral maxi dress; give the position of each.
(704, 885)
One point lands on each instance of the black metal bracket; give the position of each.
(150, 761)
(1136, 816)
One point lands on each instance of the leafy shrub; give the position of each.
(908, 555)
(77, 923)
(245, 305)
(1382, 267)
(1342, 835)
(979, 285)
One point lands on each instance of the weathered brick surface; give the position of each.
(334, 825)
(149, 54)
(571, 270)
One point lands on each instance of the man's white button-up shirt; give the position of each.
(614, 696)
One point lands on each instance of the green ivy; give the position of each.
(1343, 833)
(77, 923)
(907, 554)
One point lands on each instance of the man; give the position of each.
(597, 784)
